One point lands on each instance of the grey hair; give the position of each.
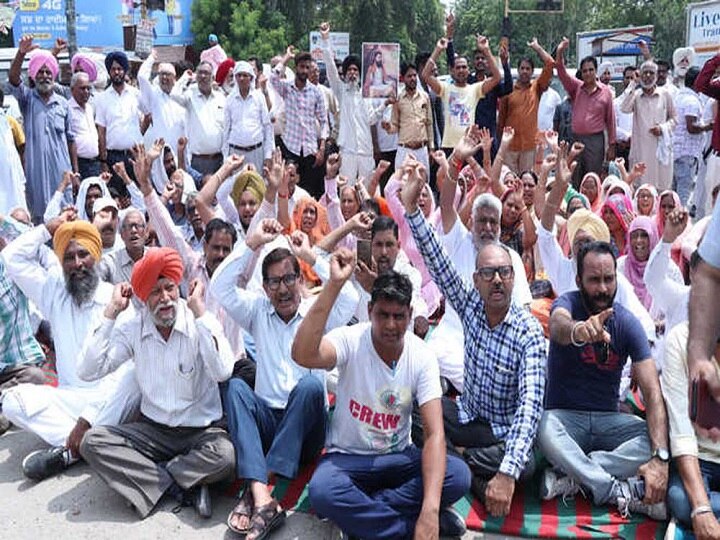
(76, 78)
(649, 64)
(132, 212)
(487, 200)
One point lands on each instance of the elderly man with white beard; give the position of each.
(180, 355)
(50, 142)
(70, 296)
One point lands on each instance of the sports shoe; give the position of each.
(451, 522)
(630, 496)
(43, 464)
(553, 486)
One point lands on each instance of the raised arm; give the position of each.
(427, 72)
(570, 83)
(211, 186)
(493, 80)
(25, 45)
(312, 351)
(107, 345)
(563, 175)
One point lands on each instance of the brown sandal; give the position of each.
(244, 508)
(266, 519)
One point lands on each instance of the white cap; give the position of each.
(104, 202)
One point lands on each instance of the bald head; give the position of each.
(492, 250)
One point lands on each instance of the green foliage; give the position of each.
(482, 16)
(265, 28)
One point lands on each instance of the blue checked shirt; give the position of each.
(504, 366)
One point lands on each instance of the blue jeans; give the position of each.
(677, 498)
(276, 440)
(594, 448)
(684, 171)
(379, 496)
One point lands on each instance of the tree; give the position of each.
(265, 28)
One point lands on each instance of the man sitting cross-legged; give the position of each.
(180, 356)
(373, 482)
(494, 421)
(619, 458)
(282, 423)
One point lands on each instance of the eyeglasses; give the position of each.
(273, 283)
(487, 273)
(131, 226)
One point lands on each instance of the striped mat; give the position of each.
(529, 516)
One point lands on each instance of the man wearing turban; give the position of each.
(69, 295)
(583, 226)
(117, 115)
(180, 355)
(50, 143)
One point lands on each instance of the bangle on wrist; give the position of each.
(702, 509)
(572, 335)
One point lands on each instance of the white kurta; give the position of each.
(12, 177)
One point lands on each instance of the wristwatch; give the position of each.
(662, 454)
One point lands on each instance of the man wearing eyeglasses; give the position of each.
(494, 421)
(116, 266)
(618, 458)
(282, 423)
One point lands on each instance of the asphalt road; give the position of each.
(78, 505)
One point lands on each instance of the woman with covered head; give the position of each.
(617, 214)
(645, 201)
(591, 188)
(310, 217)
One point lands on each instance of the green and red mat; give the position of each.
(529, 516)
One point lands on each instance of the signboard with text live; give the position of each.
(703, 30)
(100, 22)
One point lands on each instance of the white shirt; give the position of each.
(120, 115)
(46, 288)
(356, 113)
(669, 295)
(562, 271)
(247, 122)
(549, 101)
(82, 125)
(374, 401)
(178, 378)
(205, 118)
(195, 266)
(623, 121)
(168, 118)
(277, 374)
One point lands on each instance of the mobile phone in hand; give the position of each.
(704, 410)
(364, 252)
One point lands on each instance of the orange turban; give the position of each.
(156, 263)
(83, 232)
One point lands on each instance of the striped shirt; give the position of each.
(303, 108)
(504, 366)
(17, 342)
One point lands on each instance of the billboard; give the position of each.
(703, 30)
(617, 45)
(339, 41)
(100, 23)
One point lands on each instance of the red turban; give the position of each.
(223, 69)
(156, 263)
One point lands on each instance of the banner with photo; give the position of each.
(380, 69)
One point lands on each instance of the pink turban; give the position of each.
(42, 58)
(81, 62)
(156, 263)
